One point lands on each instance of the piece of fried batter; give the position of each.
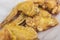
(42, 21)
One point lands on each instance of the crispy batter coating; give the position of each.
(42, 21)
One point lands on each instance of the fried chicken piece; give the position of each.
(42, 21)
(16, 32)
(20, 32)
(27, 7)
(53, 6)
(50, 5)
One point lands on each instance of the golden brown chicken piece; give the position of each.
(16, 32)
(42, 21)
(28, 8)
(50, 5)
(53, 6)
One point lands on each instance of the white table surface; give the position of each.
(51, 34)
